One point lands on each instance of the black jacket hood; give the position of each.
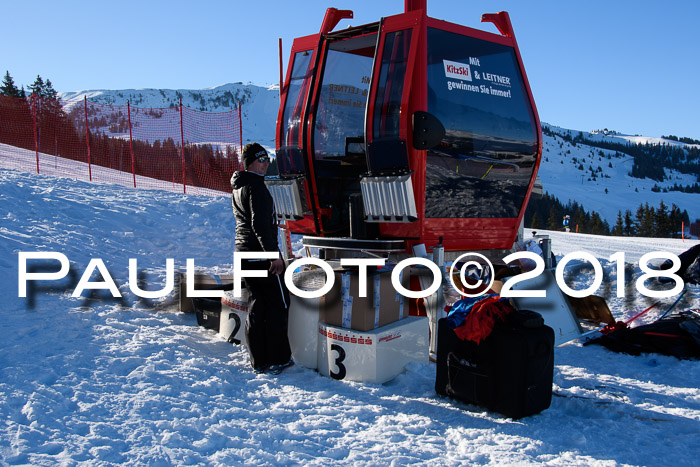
(242, 178)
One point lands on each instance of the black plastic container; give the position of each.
(509, 372)
(208, 310)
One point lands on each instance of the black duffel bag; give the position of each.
(509, 372)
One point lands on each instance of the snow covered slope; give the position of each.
(612, 189)
(259, 104)
(99, 382)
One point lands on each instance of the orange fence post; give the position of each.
(87, 139)
(683, 231)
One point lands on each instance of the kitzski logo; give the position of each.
(456, 70)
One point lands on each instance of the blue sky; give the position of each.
(628, 66)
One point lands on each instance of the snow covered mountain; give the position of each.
(259, 105)
(576, 165)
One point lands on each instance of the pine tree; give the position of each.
(645, 221)
(662, 225)
(8, 87)
(598, 226)
(49, 104)
(52, 124)
(639, 221)
(535, 222)
(554, 219)
(629, 229)
(650, 220)
(37, 87)
(578, 221)
(675, 219)
(619, 226)
(685, 218)
(49, 91)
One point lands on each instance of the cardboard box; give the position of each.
(344, 307)
(593, 309)
(201, 281)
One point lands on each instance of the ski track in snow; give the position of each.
(99, 383)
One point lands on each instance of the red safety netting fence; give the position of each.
(175, 149)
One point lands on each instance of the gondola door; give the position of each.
(395, 168)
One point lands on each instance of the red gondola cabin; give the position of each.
(407, 130)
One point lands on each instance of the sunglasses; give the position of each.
(264, 159)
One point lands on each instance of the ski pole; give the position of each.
(593, 331)
(674, 304)
(640, 314)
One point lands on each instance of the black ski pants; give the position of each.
(268, 309)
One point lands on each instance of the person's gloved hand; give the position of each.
(277, 266)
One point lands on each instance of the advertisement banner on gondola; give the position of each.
(492, 84)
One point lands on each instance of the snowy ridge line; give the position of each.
(259, 104)
(613, 136)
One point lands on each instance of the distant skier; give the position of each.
(565, 223)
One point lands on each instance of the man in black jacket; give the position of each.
(256, 231)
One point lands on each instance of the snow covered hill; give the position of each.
(101, 382)
(610, 191)
(259, 104)
(599, 179)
